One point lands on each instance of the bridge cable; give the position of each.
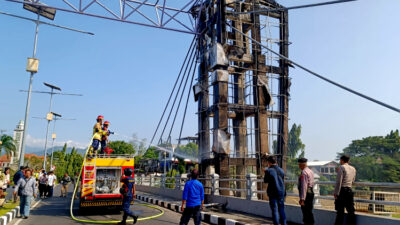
(176, 96)
(183, 91)
(173, 89)
(186, 106)
(320, 76)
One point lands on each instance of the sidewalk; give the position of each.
(210, 214)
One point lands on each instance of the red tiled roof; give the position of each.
(33, 155)
(4, 158)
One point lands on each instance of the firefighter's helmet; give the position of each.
(100, 117)
(107, 123)
(128, 172)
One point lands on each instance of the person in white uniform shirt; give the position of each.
(51, 180)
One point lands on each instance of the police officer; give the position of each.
(344, 197)
(306, 194)
(127, 190)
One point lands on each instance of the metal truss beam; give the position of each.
(149, 13)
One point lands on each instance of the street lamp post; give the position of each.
(53, 136)
(28, 101)
(49, 119)
(56, 117)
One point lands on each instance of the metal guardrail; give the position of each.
(251, 186)
(114, 156)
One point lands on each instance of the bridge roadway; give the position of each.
(55, 210)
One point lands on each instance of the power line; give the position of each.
(54, 93)
(49, 24)
(320, 76)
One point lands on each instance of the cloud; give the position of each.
(38, 142)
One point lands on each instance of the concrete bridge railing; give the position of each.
(250, 204)
(251, 182)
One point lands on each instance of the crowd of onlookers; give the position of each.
(28, 183)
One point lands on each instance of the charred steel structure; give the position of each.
(242, 91)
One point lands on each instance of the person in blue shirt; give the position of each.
(193, 197)
(127, 190)
(18, 175)
(274, 176)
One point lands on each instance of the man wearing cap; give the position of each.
(343, 194)
(306, 194)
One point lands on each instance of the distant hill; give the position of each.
(40, 150)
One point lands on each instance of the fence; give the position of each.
(368, 197)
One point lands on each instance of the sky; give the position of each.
(125, 73)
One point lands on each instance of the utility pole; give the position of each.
(54, 136)
(49, 119)
(55, 117)
(32, 67)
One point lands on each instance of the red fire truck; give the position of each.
(101, 180)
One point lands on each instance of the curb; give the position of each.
(8, 217)
(205, 217)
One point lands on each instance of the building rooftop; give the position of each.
(319, 163)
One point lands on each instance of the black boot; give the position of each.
(135, 219)
(124, 217)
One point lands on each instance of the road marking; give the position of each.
(19, 220)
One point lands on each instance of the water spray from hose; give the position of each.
(160, 148)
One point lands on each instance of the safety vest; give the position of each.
(97, 131)
(104, 134)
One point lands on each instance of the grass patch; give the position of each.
(396, 215)
(7, 207)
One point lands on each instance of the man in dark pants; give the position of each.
(305, 186)
(18, 175)
(127, 191)
(343, 193)
(274, 176)
(193, 196)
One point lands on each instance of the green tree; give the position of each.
(296, 149)
(191, 150)
(7, 144)
(376, 158)
(59, 160)
(122, 148)
(295, 145)
(70, 163)
(151, 153)
(33, 162)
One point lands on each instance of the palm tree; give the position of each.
(7, 143)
